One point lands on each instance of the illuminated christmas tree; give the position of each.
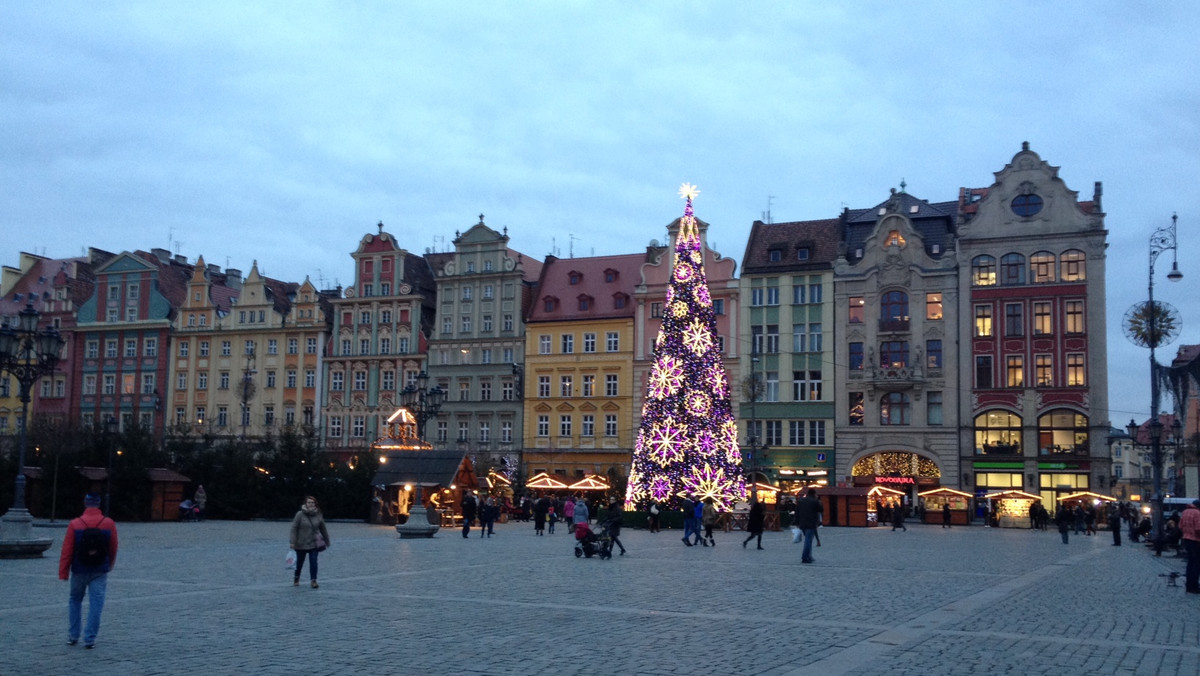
(687, 445)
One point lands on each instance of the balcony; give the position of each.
(897, 325)
(893, 379)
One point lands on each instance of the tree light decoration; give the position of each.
(687, 444)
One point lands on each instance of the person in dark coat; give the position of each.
(613, 521)
(754, 522)
(946, 515)
(1114, 523)
(540, 509)
(469, 506)
(1064, 518)
(809, 513)
(898, 518)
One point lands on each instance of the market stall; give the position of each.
(1087, 499)
(960, 506)
(1011, 508)
(880, 503)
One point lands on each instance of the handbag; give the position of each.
(320, 543)
(289, 560)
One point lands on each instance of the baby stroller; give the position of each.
(188, 511)
(590, 543)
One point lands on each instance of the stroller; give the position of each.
(188, 511)
(590, 543)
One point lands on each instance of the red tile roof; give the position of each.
(590, 274)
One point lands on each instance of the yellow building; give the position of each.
(578, 381)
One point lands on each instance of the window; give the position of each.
(1074, 266)
(360, 380)
(364, 346)
(335, 426)
(293, 346)
(269, 415)
(150, 347)
(803, 253)
(816, 432)
(508, 355)
(270, 379)
(222, 416)
(310, 378)
(855, 407)
(1042, 323)
(857, 309)
(550, 304)
(620, 300)
(1074, 316)
(464, 430)
(933, 408)
(983, 372)
(1012, 269)
(775, 255)
(772, 391)
(93, 349)
(610, 385)
(1062, 431)
(180, 381)
(543, 425)
(772, 295)
(466, 293)
(799, 338)
(895, 409)
(402, 345)
(385, 346)
(544, 344)
(470, 266)
(110, 348)
(485, 355)
(655, 310)
(893, 354)
(933, 353)
(226, 348)
(1076, 371)
(589, 385)
(772, 346)
(89, 385)
(798, 294)
(337, 381)
(485, 390)
(290, 378)
(249, 347)
(1026, 205)
(131, 347)
(110, 384)
(814, 293)
(223, 383)
(1014, 369)
(933, 306)
(983, 271)
(806, 385)
(508, 391)
(346, 346)
(184, 348)
(447, 324)
(997, 432)
(385, 316)
(1043, 370)
(564, 425)
(568, 343)
(856, 356)
(441, 428)
(585, 302)
(718, 306)
(464, 391)
(543, 386)
(565, 385)
(893, 306)
(795, 433)
(506, 430)
(465, 323)
(202, 380)
(589, 342)
(756, 296)
(610, 425)
(131, 313)
(1041, 267)
(485, 431)
(814, 337)
(310, 346)
(485, 324)
(508, 323)
(1014, 319)
(774, 433)
(612, 341)
(756, 339)
(587, 427)
(488, 289)
(983, 321)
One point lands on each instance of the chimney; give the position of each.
(233, 278)
(163, 255)
(181, 259)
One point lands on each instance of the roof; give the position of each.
(420, 468)
(819, 238)
(589, 274)
(933, 221)
(164, 475)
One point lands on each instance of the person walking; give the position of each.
(808, 518)
(614, 520)
(89, 552)
(708, 518)
(1064, 518)
(551, 517)
(1189, 524)
(898, 518)
(689, 522)
(201, 500)
(946, 515)
(652, 520)
(487, 517)
(469, 506)
(754, 522)
(1114, 523)
(698, 515)
(580, 516)
(541, 507)
(308, 537)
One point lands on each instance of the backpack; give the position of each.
(92, 548)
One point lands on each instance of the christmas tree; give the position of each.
(687, 444)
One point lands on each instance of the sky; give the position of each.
(282, 132)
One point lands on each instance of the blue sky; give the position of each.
(282, 132)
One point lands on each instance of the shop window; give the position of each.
(1063, 432)
(997, 432)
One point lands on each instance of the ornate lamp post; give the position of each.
(1153, 324)
(423, 403)
(27, 354)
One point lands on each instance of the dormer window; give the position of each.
(894, 239)
(610, 275)
(549, 304)
(775, 255)
(585, 303)
(803, 253)
(574, 278)
(619, 300)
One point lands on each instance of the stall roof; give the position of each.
(419, 468)
(945, 491)
(591, 482)
(545, 481)
(1020, 495)
(876, 490)
(1087, 495)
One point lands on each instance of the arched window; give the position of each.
(1012, 269)
(983, 271)
(1074, 266)
(1062, 432)
(895, 409)
(1041, 267)
(893, 305)
(997, 433)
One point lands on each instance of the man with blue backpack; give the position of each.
(89, 551)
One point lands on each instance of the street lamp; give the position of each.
(27, 354)
(421, 402)
(1151, 325)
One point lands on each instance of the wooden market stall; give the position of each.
(880, 502)
(844, 505)
(960, 506)
(1088, 499)
(1011, 508)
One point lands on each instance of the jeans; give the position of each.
(809, 534)
(95, 585)
(312, 566)
(689, 529)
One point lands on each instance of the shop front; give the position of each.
(906, 473)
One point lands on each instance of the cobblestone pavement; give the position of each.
(214, 597)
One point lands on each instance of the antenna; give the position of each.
(571, 245)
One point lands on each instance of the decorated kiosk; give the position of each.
(960, 506)
(1010, 509)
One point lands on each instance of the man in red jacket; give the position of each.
(89, 551)
(1189, 523)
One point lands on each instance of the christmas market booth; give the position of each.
(936, 499)
(544, 482)
(1010, 509)
(880, 503)
(1087, 499)
(593, 483)
(844, 505)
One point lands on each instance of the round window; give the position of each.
(1026, 205)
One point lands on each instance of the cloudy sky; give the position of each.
(283, 131)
